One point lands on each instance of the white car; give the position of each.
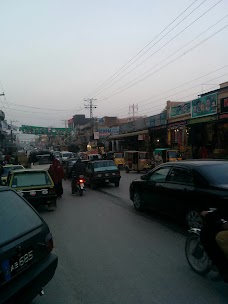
(65, 155)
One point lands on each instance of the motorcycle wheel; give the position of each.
(196, 256)
(80, 192)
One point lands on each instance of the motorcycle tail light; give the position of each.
(49, 242)
(81, 180)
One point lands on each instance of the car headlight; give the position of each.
(99, 175)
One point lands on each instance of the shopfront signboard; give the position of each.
(204, 106)
(224, 105)
(180, 110)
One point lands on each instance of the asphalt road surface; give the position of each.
(110, 254)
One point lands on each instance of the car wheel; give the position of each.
(138, 202)
(117, 183)
(193, 219)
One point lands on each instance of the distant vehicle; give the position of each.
(65, 155)
(27, 264)
(100, 172)
(94, 156)
(181, 190)
(117, 157)
(68, 166)
(7, 169)
(57, 155)
(168, 154)
(35, 185)
(138, 161)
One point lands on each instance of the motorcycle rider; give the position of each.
(78, 169)
(214, 237)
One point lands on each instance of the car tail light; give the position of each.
(49, 242)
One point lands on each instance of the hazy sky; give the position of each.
(56, 53)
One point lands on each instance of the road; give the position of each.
(110, 254)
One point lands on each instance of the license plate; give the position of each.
(107, 180)
(14, 265)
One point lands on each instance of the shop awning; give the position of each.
(124, 135)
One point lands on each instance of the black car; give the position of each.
(100, 172)
(26, 261)
(69, 164)
(183, 189)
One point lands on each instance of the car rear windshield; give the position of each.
(8, 169)
(104, 164)
(28, 179)
(16, 216)
(67, 155)
(217, 173)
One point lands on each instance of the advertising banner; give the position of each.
(44, 130)
(181, 109)
(96, 135)
(204, 106)
(158, 120)
(224, 105)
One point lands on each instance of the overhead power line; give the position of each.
(129, 63)
(164, 46)
(104, 89)
(122, 89)
(177, 87)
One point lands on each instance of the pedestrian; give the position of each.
(57, 173)
(158, 159)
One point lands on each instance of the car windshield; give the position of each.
(13, 209)
(28, 179)
(8, 169)
(217, 173)
(104, 164)
(68, 155)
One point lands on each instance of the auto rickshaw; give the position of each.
(117, 157)
(168, 154)
(138, 161)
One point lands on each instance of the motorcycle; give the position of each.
(80, 184)
(195, 253)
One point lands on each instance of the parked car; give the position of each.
(7, 169)
(35, 185)
(183, 189)
(100, 172)
(26, 258)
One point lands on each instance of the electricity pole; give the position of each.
(89, 105)
(133, 108)
(65, 123)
